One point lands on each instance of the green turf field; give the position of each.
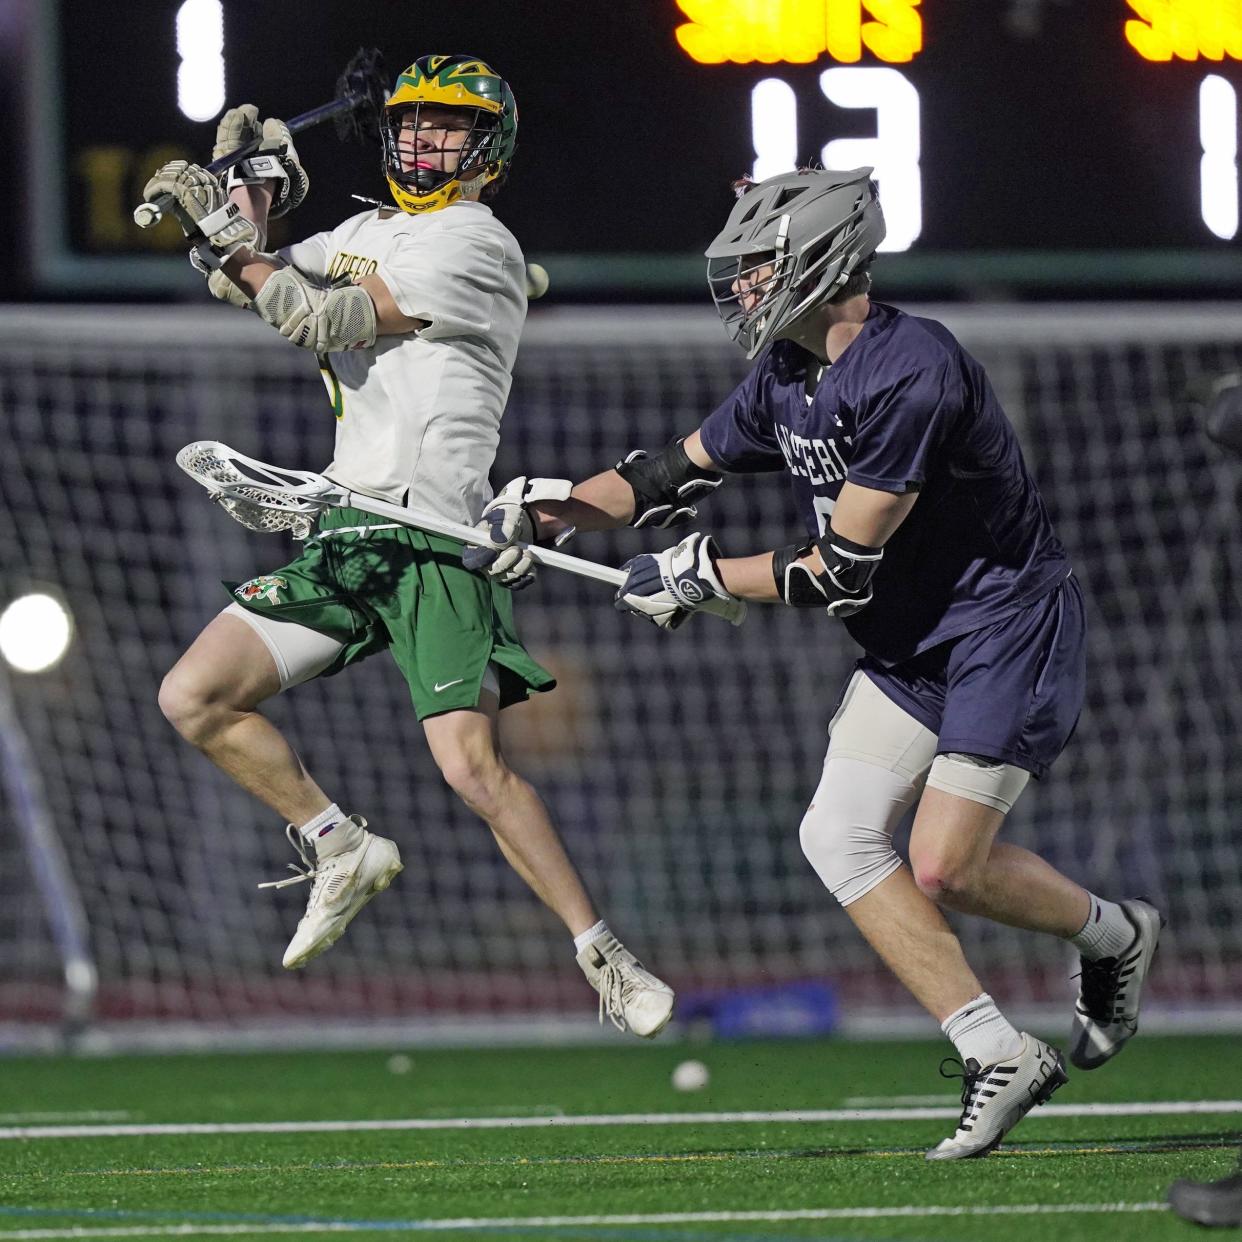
(566, 1168)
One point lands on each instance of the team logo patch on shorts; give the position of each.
(265, 586)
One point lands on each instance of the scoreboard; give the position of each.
(1060, 145)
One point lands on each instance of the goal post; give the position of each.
(677, 766)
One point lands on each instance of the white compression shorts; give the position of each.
(301, 654)
(879, 760)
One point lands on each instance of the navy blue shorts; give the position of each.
(1011, 691)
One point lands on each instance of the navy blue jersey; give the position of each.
(905, 408)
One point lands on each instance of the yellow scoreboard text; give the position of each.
(800, 31)
(1186, 29)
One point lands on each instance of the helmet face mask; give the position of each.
(745, 289)
(814, 228)
(448, 95)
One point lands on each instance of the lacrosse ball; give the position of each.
(691, 1076)
(536, 280)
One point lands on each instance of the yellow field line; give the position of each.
(1101, 1149)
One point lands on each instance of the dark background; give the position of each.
(1042, 131)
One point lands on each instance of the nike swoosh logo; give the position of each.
(446, 684)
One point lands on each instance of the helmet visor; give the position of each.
(746, 289)
(427, 145)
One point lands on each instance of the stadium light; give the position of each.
(200, 44)
(35, 632)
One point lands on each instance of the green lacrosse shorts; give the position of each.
(408, 592)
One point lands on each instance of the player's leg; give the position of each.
(243, 657)
(211, 696)
(874, 772)
(466, 747)
(1012, 698)
(465, 744)
(1005, 1072)
(464, 663)
(345, 863)
(958, 863)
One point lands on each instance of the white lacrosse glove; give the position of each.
(276, 160)
(668, 587)
(507, 522)
(218, 284)
(200, 207)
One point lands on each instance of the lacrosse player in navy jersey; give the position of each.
(926, 535)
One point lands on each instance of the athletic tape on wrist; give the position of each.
(216, 220)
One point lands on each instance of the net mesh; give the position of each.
(256, 508)
(676, 766)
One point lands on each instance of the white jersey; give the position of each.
(418, 415)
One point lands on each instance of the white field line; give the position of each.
(878, 1101)
(569, 1222)
(1156, 1108)
(85, 1114)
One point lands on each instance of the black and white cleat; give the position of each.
(996, 1097)
(1107, 1011)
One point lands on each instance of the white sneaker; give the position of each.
(341, 885)
(996, 1097)
(633, 998)
(1107, 1011)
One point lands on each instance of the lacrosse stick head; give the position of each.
(261, 497)
(362, 81)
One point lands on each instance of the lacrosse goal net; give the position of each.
(677, 767)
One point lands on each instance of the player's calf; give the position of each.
(632, 997)
(351, 865)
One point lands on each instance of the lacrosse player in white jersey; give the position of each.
(414, 314)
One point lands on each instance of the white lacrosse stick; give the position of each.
(269, 499)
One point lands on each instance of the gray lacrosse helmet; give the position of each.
(813, 228)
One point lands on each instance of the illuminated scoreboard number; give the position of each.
(800, 31)
(1218, 168)
(893, 152)
(114, 175)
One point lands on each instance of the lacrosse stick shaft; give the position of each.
(477, 538)
(146, 215)
(298, 496)
(728, 610)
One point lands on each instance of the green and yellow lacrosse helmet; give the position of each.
(467, 85)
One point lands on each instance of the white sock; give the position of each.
(1106, 933)
(330, 832)
(980, 1031)
(582, 939)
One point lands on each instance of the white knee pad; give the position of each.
(878, 757)
(847, 833)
